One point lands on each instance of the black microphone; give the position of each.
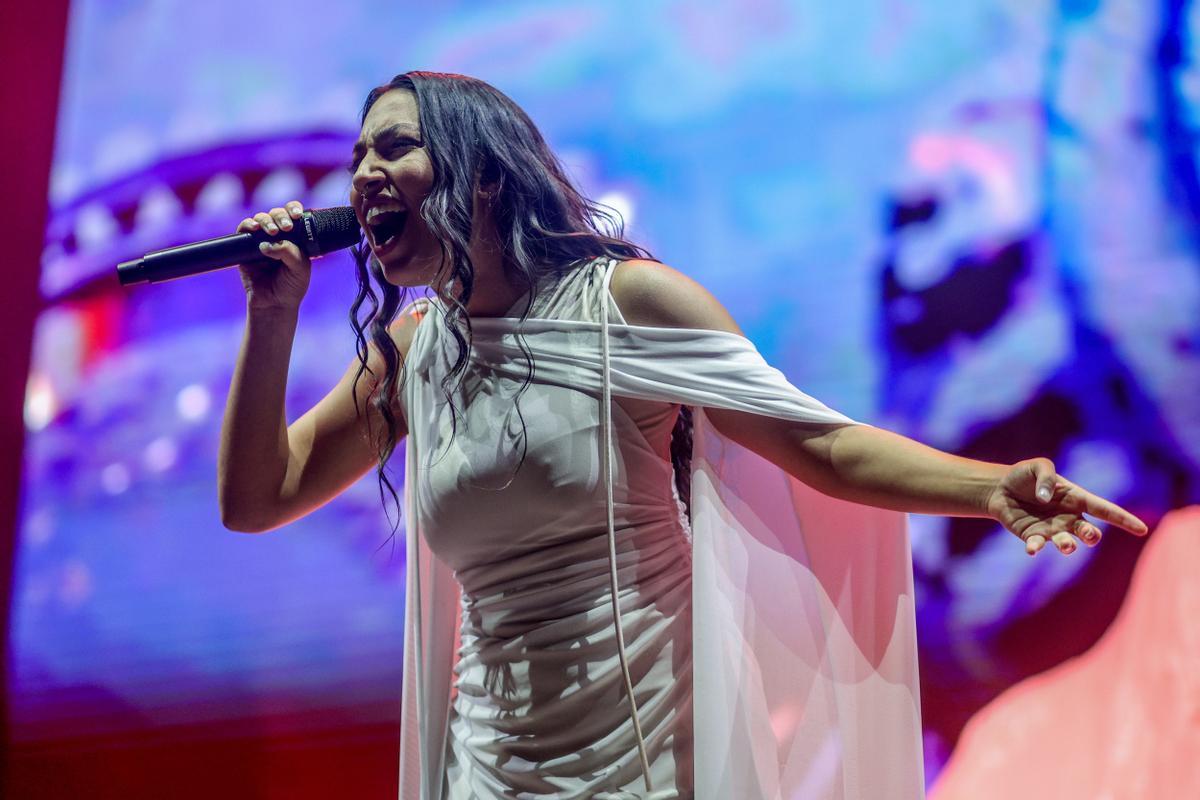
(317, 232)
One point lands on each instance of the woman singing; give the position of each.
(640, 562)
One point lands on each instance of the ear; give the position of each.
(489, 180)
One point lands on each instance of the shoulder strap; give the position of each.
(607, 461)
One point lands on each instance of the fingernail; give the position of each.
(1043, 493)
(262, 247)
(1069, 549)
(272, 228)
(286, 224)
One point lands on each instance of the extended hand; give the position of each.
(1036, 503)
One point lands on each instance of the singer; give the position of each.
(640, 563)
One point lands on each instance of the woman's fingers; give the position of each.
(1063, 532)
(1064, 541)
(274, 222)
(1081, 500)
(282, 250)
(1088, 532)
(267, 222)
(1045, 478)
(282, 217)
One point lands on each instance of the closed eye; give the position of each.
(389, 143)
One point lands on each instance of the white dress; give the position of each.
(754, 673)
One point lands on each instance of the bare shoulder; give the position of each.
(404, 326)
(653, 294)
(402, 329)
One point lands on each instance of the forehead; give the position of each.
(397, 107)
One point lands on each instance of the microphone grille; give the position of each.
(335, 228)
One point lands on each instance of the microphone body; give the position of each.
(317, 232)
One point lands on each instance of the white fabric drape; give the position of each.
(805, 677)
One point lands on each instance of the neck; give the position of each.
(493, 294)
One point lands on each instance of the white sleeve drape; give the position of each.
(804, 640)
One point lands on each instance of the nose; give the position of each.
(368, 177)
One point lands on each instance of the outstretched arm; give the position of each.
(870, 465)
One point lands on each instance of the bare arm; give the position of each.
(270, 473)
(870, 465)
(254, 452)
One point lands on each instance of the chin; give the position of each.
(405, 274)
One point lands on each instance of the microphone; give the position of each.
(317, 232)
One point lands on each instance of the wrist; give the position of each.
(990, 489)
(272, 311)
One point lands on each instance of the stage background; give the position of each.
(973, 223)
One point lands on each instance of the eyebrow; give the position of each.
(399, 130)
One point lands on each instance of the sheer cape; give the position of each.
(805, 679)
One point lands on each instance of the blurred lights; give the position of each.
(40, 402)
(222, 192)
(621, 203)
(76, 586)
(279, 187)
(193, 402)
(115, 478)
(95, 226)
(332, 190)
(39, 528)
(160, 455)
(159, 207)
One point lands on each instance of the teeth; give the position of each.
(375, 211)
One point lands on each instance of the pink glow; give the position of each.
(1121, 720)
(939, 153)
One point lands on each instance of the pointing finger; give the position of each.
(1079, 499)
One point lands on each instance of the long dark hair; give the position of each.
(474, 136)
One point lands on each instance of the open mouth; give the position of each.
(385, 228)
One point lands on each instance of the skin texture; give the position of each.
(326, 450)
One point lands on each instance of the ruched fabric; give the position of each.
(769, 639)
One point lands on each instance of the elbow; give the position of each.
(240, 522)
(238, 525)
(240, 513)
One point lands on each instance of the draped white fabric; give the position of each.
(805, 677)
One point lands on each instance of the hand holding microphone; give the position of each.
(273, 250)
(276, 285)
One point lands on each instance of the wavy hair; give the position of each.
(475, 136)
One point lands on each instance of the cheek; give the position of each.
(415, 183)
(414, 176)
